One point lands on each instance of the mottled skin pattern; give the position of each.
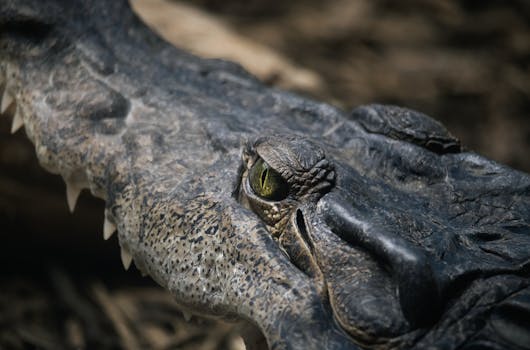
(391, 236)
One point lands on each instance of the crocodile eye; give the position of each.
(267, 182)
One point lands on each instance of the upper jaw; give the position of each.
(248, 276)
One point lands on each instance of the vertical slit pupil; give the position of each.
(264, 175)
(266, 182)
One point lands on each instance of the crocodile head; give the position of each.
(324, 229)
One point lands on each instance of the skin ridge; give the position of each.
(161, 136)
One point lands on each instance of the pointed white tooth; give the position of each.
(18, 121)
(187, 316)
(72, 193)
(7, 99)
(126, 258)
(108, 229)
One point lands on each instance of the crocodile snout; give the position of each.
(378, 284)
(411, 267)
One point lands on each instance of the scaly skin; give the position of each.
(389, 236)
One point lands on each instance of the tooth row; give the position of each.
(73, 188)
(74, 185)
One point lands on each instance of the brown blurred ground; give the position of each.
(464, 62)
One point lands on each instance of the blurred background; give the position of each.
(464, 62)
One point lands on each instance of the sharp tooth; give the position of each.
(108, 229)
(18, 121)
(72, 193)
(126, 258)
(7, 99)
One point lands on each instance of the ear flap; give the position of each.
(407, 125)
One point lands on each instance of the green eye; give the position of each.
(266, 182)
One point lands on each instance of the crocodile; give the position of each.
(321, 229)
